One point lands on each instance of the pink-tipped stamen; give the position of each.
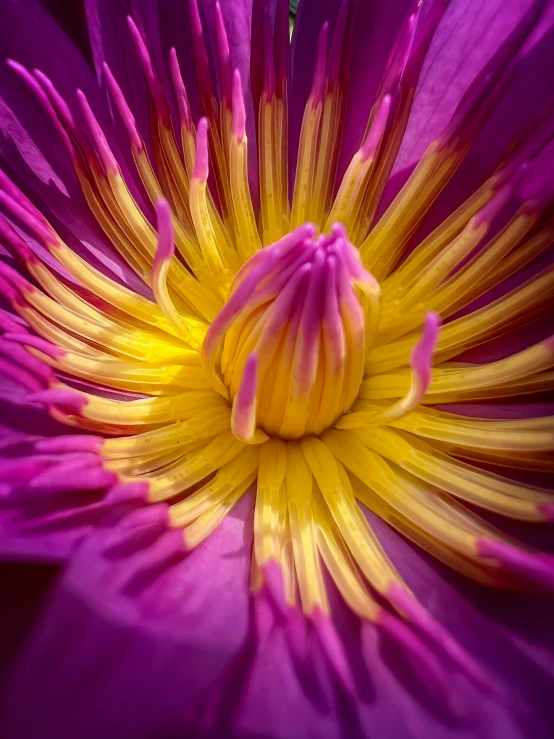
(318, 83)
(46, 104)
(203, 75)
(239, 111)
(201, 158)
(375, 133)
(153, 82)
(421, 358)
(109, 162)
(224, 56)
(269, 62)
(166, 236)
(180, 91)
(281, 43)
(337, 45)
(120, 103)
(243, 416)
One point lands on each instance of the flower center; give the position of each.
(288, 347)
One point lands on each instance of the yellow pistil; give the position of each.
(293, 309)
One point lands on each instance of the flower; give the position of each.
(237, 333)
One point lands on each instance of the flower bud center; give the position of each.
(288, 347)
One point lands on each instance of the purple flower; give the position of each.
(276, 364)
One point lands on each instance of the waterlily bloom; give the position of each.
(276, 366)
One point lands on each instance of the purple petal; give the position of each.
(377, 26)
(236, 16)
(71, 17)
(141, 639)
(149, 630)
(465, 40)
(166, 25)
(24, 590)
(38, 520)
(111, 42)
(30, 149)
(509, 633)
(311, 16)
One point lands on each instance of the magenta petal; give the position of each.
(141, 639)
(31, 151)
(509, 633)
(111, 42)
(24, 589)
(71, 17)
(377, 25)
(311, 16)
(41, 520)
(138, 633)
(164, 25)
(465, 40)
(236, 16)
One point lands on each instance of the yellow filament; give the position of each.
(461, 480)
(149, 410)
(112, 293)
(221, 174)
(306, 164)
(473, 280)
(424, 507)
(460, 285)
(208, 423)
(271, 208)
(186, 243)
(188, 142)
(122, 375)
(248, 239)
(240, 473)
(270, 512)
(218, 268)
(442, 265)
(146, 464)
(337, 491)
(441, 548)
(531, 435)
(363, 419)
(327, 157)
(194, 467)
(197, 297)
(299, 486)
(58, 336)
(282, 157)
(341, 565)
(348, 201)
(189, 330)
(63, 295)
(486, 323)
(102, 204)
(211, 518)
(131, 342)
(386, 241)
(174, 170)
(519, 367)
(398, 282)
